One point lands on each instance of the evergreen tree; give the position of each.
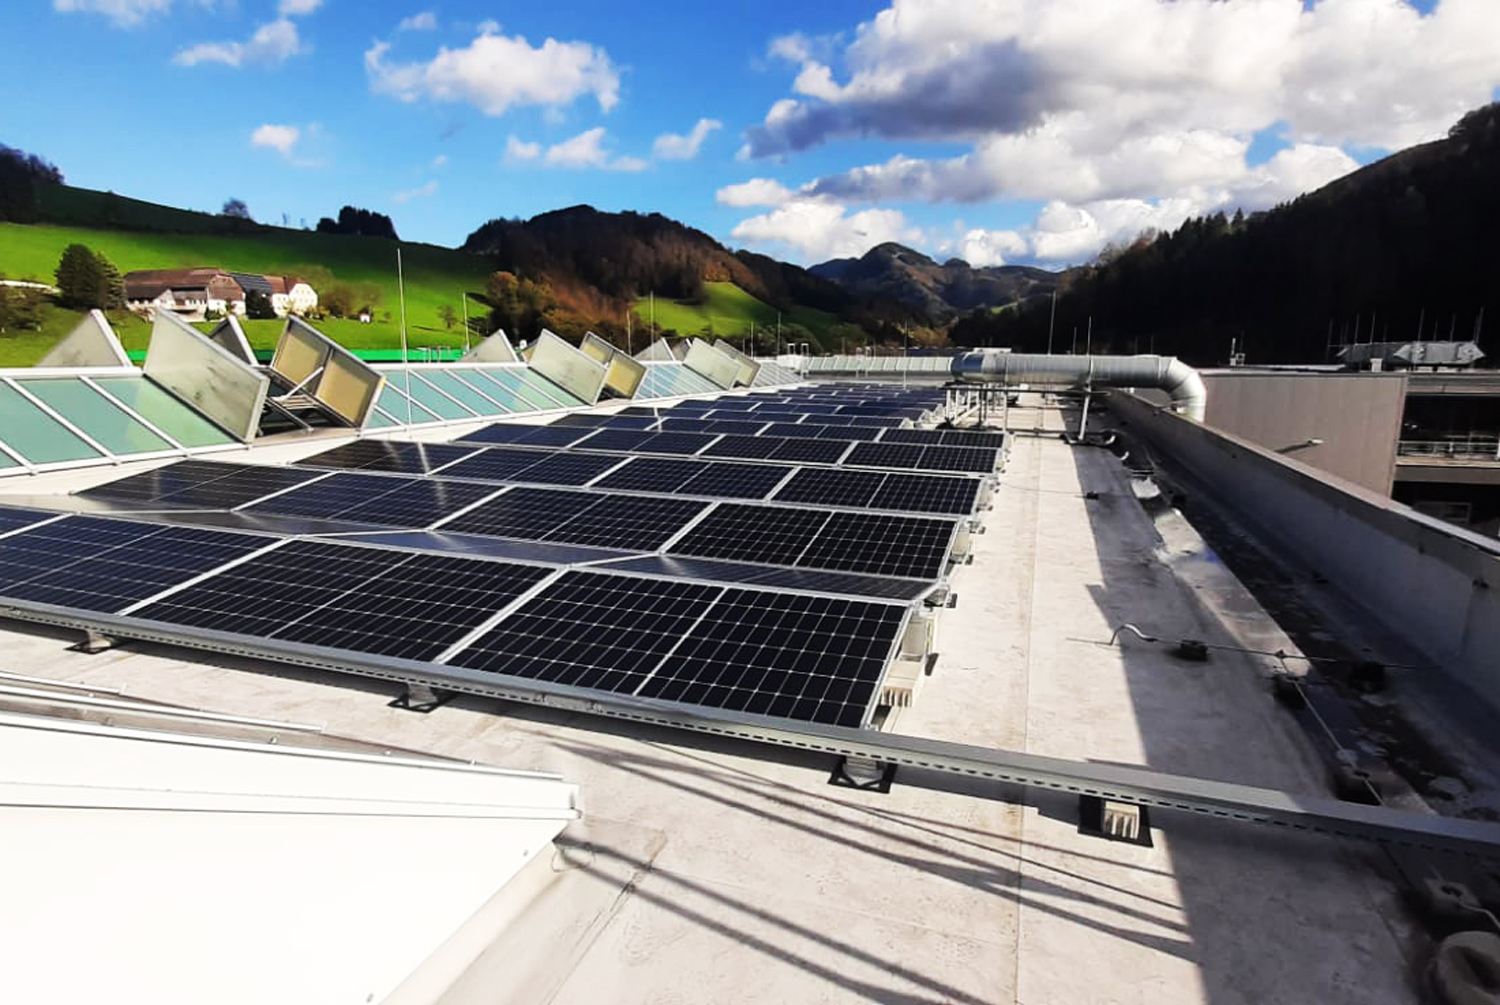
(258, 306)
(81, 278)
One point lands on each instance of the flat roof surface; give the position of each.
(710, 871)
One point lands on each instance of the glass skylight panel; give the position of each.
(35, 435)
(160, 408)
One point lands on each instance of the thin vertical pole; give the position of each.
(405, 367)
(1051, 321)
(463, 300)
(1088, 346)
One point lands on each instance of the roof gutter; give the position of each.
(1166, 373)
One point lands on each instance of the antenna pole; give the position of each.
(405, 368)
(463, 300)
(1052, 320)
(1088, 345)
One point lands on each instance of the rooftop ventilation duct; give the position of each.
(1167, 373)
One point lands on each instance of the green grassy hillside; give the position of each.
(434, 276)
(729, 311)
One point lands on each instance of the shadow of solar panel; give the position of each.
(95, 564)
(886, 455)
(832, 487)
(570, 469)
(674, 443)
(651, 474)
(927, 494)
(640, 523)
(497, 464)
(527, 514)
(621, 421)
(736, 481)
(772, 535)
(815, 659)
(14, 519)
(591, 630)
(743, 446)
(389, 455)
(418, 503)
(881, 545)
(980, 460)
(203, 484)
(371, 600)
(813, 451)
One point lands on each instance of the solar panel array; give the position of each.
(730, 567)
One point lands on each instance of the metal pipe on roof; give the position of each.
(1168, 373)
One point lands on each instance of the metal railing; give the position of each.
(1460, 448)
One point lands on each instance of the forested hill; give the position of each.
(895, 272)
(1414, 237)
(597, 263)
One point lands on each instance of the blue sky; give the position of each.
(998, 130)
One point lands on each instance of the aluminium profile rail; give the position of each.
(1227, 801)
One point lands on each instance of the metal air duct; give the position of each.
(1167, 373)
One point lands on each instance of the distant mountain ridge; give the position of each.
(895, 272)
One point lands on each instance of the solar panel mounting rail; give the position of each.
(943, 764)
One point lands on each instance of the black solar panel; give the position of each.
(813, 451)
(774, 577)
(97, 564)
(772, 535)
(980, 460)
(926, 494)
(743, 446)
(616, 439)
(673, 443)
(736, 481)
(832, 487)
(944, 437)
(497, 464)
(881, 545)
(390, 455)
(416, 503)
(641, 523)
(590, 630)
(735, 427)
(538, 436)
(688, 425)
(15, 519)
(528, 514)
(399, 502)
(569, 469)
(203, 484)
(372, 600)
(651, 474)
(816, 659)
(886, 455)
(820, 432)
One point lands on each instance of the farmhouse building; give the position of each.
(192, 293)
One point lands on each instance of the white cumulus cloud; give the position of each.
(298, 8)
(811, 230)
(520, 150)
(124, 13)
(420, 192)
(684, 147)
(755, 192)
(586, 150)
(496, 73)
(279, 138)
(425, 21)
(272, 43)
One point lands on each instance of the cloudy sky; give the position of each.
(999, 131)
